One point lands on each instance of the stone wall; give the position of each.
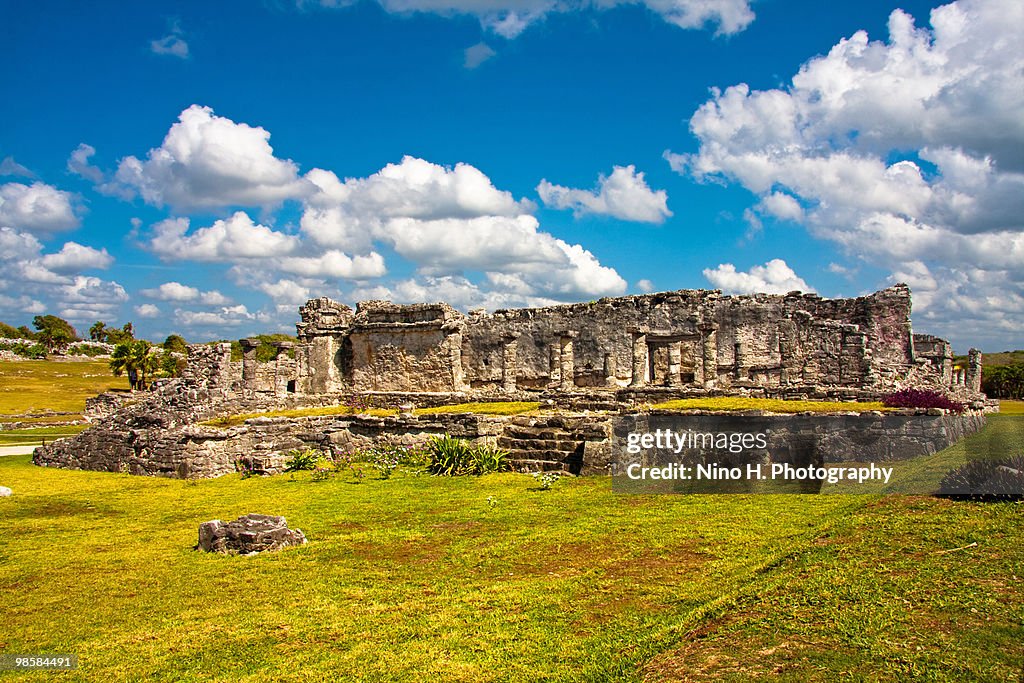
(165, 443)
(687, 340)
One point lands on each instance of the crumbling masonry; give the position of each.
(695, 340)
(589, 362)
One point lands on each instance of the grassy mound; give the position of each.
(739, 403)
(497, 408)
(239, 418)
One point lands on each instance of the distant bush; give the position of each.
(91, 350)
(1003, 381)
(266, 351)
(11, 332)
(922, 398)
(986, 480)
(24, 349)
(454, 457)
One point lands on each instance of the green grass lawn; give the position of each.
(38, 386)
(488, 579)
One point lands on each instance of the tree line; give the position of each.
(1003, 381)
(141, 360)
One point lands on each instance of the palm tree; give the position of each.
(133, 357)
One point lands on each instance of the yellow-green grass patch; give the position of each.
(239, 418)
(495, 408)
(773, 405)
(488, 579)
(1007, 407)
(17, 437)
(36, 386)
(44, 420)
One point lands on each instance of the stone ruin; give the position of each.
(248, 535)
(588, 360)
(692, 340)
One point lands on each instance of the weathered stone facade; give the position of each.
(609, 356)
(687, 340)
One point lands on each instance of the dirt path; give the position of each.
(17, 450)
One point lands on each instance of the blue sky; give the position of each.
(203, 168)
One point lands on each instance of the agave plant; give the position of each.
(488, 459)
(449, 456)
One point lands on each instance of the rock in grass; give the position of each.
(4, 492)
(248, 535)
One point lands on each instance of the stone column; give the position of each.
(554, 364)
(710, 358)
(675, 363)
(508, 365)
(218, 375)
(973, 379)
(249, 347)
(783, 359)
(609, 370)
(639, 377)
(566, 362)
(458, 373)
(284, 370)
(740, 361)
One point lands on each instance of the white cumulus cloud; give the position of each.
(905, 151)
(774, 277)
(624, 194)
(335, 263)
(228, 239)
(38, 208)
(208, 162)
(175, 291)
(88, 298)
(74, 258)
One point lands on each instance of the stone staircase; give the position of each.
(552, 443)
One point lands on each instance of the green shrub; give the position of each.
(25, 350)
(487, 459)
(453, 457)
(302, 459)
(449, 456)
